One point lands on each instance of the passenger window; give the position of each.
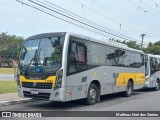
(123, 58)
(146, 65)
(117, 57)
(97, 54)
(80, 53)
(88, 53)
(112, 57)
(142, 59)
(136, 60)
(139, 60)
(77, 59)
(133, 60)
(152, 65)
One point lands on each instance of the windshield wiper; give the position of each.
(33, 59)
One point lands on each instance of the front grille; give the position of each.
(37, 96)
(38, 85)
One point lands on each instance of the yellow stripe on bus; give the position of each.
(50, 79)
(122, 79)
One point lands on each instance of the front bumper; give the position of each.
(48, 94)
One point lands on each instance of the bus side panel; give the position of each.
(78, 84)
(107, 79)
(138, 79)
(79, 92)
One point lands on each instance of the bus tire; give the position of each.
(129, 89)
(92, 95)
(156, 88)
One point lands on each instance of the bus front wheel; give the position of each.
(92, 95)
(129, 89)
(157, 86)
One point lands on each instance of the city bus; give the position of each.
(65, 66)
(152, 63)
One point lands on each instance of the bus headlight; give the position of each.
(58, 83)
(147, 79)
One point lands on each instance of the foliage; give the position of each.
(131, 44)
(152, 48)
(8, 43)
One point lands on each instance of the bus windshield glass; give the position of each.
(44, 54)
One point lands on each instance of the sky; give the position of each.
(24, 21)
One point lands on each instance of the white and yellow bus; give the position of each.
(65, 66)
(152, 63)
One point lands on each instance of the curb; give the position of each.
(25, 100)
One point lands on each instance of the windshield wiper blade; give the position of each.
(33, 59)
(26, 71)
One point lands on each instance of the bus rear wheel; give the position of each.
(129, 89)
(92, 95)
(157, 87)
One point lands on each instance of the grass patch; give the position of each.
(8, 86)
(6, 70)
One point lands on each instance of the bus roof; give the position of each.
(106, 42)
(46, 35)
(154, 56)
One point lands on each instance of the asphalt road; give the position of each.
(6, 77)
(141, 100)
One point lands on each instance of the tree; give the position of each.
(131, 44)
(153, 48)
(8, 43)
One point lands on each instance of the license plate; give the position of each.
(34, 92)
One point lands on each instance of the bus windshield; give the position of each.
(44, 54)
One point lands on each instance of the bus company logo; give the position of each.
(6, 114)
(34, 84)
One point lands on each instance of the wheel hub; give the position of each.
(157, 85)
(129, 89)
(93, 94)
